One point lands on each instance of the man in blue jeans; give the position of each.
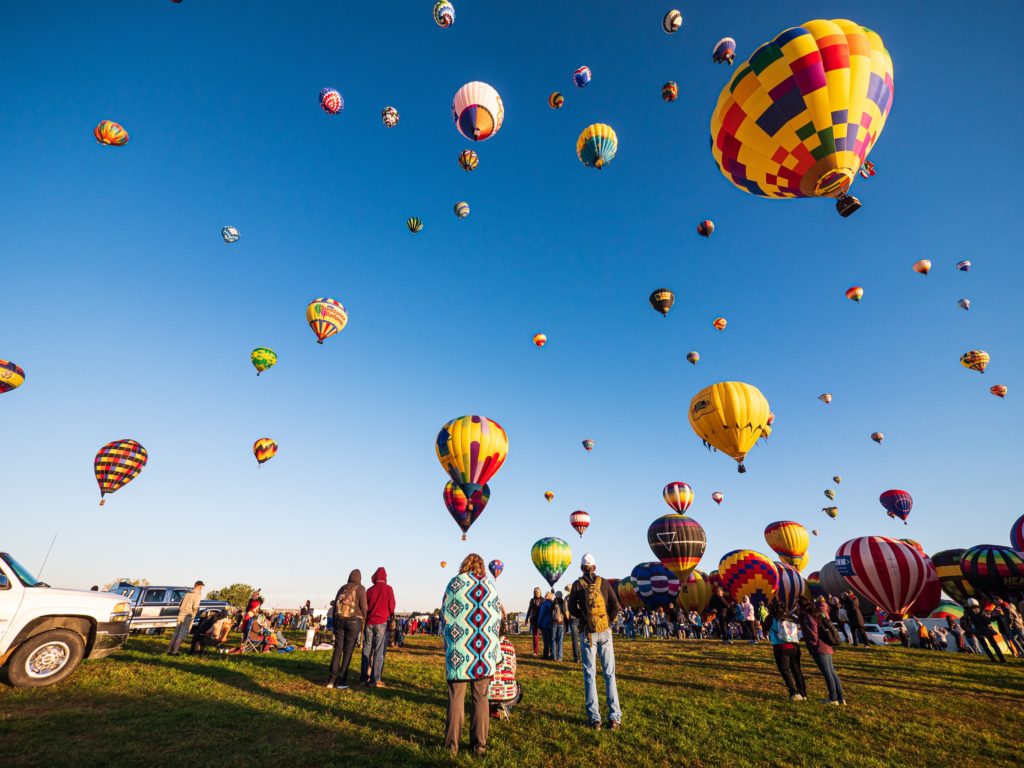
(380, 607)
(594, 604)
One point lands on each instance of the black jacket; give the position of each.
(853, 614)
(533, 611)
(978, 622)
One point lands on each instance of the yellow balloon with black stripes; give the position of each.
(731, 417)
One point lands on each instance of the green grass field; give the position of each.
(684, 703)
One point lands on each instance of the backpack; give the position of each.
(556, 614)
(827, 632)
(345, 603)
(597, 611)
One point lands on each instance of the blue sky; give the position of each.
(133, 319)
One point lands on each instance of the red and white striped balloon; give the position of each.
(580, 520)
(928, 600)
(888, 572)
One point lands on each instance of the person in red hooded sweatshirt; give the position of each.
(380, 607)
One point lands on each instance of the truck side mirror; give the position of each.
(5, 583)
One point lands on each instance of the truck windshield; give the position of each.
(20, 571)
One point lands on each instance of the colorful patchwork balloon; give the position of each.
(331, 101)
(693, 357)
(11, 376)
(326, 317)
(110, 134)
(629, 595)
(656, 585)
(389, 116)
(444, 14)
(746, 573)
(469, 160)
(263, 358)
(551, 556)
(465, 509)
(471, 450)
(670, 91)
(678, 495)
(695, 592)
(975, 360)
(724, 51)
(947, 609)
(678, 542)
(495, 567)
(117, 464)
(994, 571)
(891, 574)
(264, 450)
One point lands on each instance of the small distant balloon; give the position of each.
(825, 397)
(975, 360)
(724, 51)
(678, 495)
(414, 224)
(923, 266)
(580, 521)
(597, 145)
(263, 358)
(814, 531)
(539, 340)
(444, 14)
(662, 300)
(878, 437)
(830, 494)
(264, 450)
(589, 445)
(832, 512)
(389, 116)
(693, 357)
(462, 209)
(326, 317)
(672, 22)
(495, 567)
(720, 323)
(478, 111)
(706, 228)
(582, 76)
(856, 293)
(837, 479)
(11, 376)
(549, 496)
(556, 100)
(964, 303)
(444, 563)
(230, 235)
(118, 463)
(469, 160)
(331, 101)
(670, 91)
(964, 266)
(999, 390)
(717, 497)
(111, 134)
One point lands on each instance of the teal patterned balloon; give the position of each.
(551, 557)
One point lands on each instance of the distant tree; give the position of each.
(236, 595)
(134, 582)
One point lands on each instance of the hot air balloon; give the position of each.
(679, 496)
(656, 586)
(724, 51)
(111, 134)
(11, 376)
(746, 573)
(414, 224)
(589, 445)
(784, 127)
(832, 512)
(887, 571)
(662, 300)
(331, 101)
(814, 531)
(326, 317)
(856, 293)
(471, 450)
(915, 544)
(1017, 534)
(581, 77)
(964, 304)
(798, 562)
(717, 497)
(539, 340)
(867, 169)
(720, 323)
(597, 145)
(837, 479)
(897, 504)
(706, 228)
(556, 100)
(628, 593)
(787, 538)
(670, 91)
(951, 575)
(495, 567)
(444, 563)
(551, 557)
(264, 450)
(672, 22)
(263, 358)
(825, 397)
(549, 496)
(791, 586)
(931, 593)
(878, 437)
(770, 421)
(923, 267)
(444, 14)
(389, 116)
(465, 508)
(693, 357)
(947, 609)
(462, 209)
(230, 235)
(678, 542)
(999, 390)
(975, 360)
(469, 160)
(964, 266)
(117, 464)
(695, 592)
(477, 111)
(994, 571)
(833, 583)
(580, 521)
(730, 416)
(830, 494)
(814, 584)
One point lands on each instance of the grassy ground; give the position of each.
(684, 703)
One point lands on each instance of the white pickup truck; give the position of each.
(45, 633)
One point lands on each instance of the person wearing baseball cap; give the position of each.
(187, 612)
(593, 602)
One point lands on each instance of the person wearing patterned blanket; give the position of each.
(472, 614)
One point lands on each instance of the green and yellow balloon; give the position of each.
(263, 358)
(551, 557)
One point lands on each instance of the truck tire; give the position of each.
(46, 659)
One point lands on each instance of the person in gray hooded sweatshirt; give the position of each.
(349, 615)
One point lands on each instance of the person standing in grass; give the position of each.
(349, 613)
(472, 651)
(558, 619)
(851, 603)
(980, 624)
(594, 603)
(574, 630)
(532, 617)
(380, 606)
(784, 635)
(719, 603)
(544, 622)
(747, 612)
(820, 635)
(187, 612)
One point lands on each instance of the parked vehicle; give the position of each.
(879, 635)
(45, 633)
(156, 608)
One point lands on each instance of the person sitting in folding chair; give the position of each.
(211, 632)
(505, 692)
(257, 639)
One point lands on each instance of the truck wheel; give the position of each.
(46, 659)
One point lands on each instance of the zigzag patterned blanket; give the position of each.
(472, 618)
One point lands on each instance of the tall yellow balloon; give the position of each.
(730, 416)
(471, 449)
(787, 539)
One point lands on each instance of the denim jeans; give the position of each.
(557, 641)
(828, 671)
(599, 645)
(574, 634)
(374, 641)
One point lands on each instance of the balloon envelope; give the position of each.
(678, 495)
(897, 503)
(551, 556)
(264, 450)
(678, 542)
(478, 111)
(746, 573)
(951, 575)
(471, 450)
(11, 376)
(495, 567)
(730, 416)
(326, 317)
(994, 571)
(791, 586)
(118, 463)
(465, 508)
(629, 595)
(695, 592)
(656, 585)
(786, 537)
(887, 571)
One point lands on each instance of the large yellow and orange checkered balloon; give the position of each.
(117, 464)
(801, 115)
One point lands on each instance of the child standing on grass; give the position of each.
(783, 634)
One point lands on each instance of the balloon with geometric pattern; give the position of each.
(331, 101)
(657, 586)
(495, 567)
(264, 449)
(462, 209)
(670, 91)
(975, 360)
(444, 14)
(746, 573)
(326, 317)
(582, 76)
(678, 542)
(551, 556)
(230, 235)
(801, 116)
(263, 358)
(628, 594)
(414, 224)
(791, 586)
(890, 573)
(11, 376)
(678, 495)
(465, 509)
(556, 100)
(117, 464)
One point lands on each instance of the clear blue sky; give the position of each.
(133, 319)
